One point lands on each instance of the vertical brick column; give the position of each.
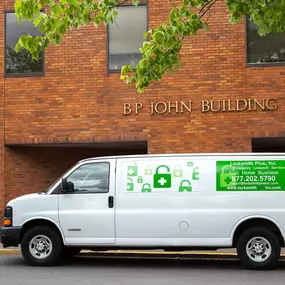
(2, 96)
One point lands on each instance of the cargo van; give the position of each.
(169, 202)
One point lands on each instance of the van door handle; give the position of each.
(111, 201)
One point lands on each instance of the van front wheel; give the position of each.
(41, 246)
(258, 248)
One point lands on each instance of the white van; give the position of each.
(170, 202)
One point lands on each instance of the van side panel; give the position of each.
(174, 201)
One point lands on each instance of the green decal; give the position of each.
(251, 175)
(190, 163)
(140, 179)
(130, 185)
(132, 170)
(162, 180)
(146, 187)
(178, 171)
(195, 174)
(185, 185)
(226, 179)
(148, 171)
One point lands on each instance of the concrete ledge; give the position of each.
(10, 252)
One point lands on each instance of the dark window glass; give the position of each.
(264, 49)
(22, 62)
(91, 178)
(126, 36)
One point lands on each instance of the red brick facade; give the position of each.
(77, 100)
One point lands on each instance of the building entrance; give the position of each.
(276, 144)
(32, 168)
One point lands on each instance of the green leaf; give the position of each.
(56, 10)
(136, 2)
(37, 21)
(158, 37)
(17, 47)
(62, 28)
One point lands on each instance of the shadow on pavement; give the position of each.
(144, 263)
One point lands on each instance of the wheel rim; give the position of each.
(258, 249)
(40, 247)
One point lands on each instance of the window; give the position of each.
(20, 63)
(126, 36)
(264, 49)
(91, 178)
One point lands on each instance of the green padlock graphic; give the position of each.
(226, 177)
(195, 174)
(148, 171)
(146, 187)
(162, 180)
(130, 184)
(185, 185)
(140, 179)
(177, 171)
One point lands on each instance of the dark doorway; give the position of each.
(34, 167)
(268, 144)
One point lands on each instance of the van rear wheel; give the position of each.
(41, 246)
(258, 248)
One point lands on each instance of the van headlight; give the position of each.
(8, 216)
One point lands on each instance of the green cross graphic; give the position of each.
(132, 170)
(177, 172)
(228, 180)
(196, 175)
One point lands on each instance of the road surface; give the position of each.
(124, 271)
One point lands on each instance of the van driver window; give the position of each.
(91, 178)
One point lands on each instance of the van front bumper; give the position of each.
(10, 236)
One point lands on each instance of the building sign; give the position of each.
(215, 106)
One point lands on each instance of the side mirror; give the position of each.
(66, 186)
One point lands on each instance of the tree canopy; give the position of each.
(162, 45)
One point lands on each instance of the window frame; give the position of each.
(89, 193)
(9, 75)
(110, 71)
(263, 64)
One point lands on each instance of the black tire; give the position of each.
(272, 239)
(57, 246)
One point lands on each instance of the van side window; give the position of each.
(91, 178)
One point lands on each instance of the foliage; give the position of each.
(160, 51)
(21, 62)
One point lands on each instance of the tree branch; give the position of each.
(173, 4)
(208, 8)
(119, 4)
(181, 38)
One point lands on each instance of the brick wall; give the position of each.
(2, 94)
(77, 100)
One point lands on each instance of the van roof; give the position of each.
(184, 154)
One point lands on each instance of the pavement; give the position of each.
(139, 267)
(135, 271)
